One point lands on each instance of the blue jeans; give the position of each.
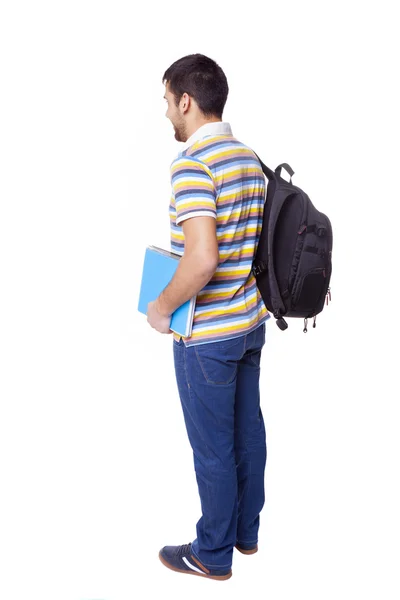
(218, 384)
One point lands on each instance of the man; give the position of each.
(217, 202)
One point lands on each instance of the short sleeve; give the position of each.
(193, 189)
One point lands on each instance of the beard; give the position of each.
(180, 132)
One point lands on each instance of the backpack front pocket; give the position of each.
(310, 290)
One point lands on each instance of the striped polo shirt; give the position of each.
(218, 176)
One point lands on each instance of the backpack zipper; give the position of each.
(328, 296)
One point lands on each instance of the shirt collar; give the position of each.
(216, 128)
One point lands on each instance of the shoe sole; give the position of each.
(243, 551)
(217, 577)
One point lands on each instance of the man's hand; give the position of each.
(158, 321)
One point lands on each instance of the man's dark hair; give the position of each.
(201, 78)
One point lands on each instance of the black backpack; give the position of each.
(292, 265)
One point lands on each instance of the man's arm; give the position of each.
(196, 267)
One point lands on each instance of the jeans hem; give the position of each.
(215, 567)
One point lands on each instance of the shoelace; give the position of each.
(185, 549)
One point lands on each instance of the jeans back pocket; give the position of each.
(218, 360)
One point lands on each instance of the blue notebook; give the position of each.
(158, 269)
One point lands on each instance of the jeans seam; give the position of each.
(201, 366)
(186, 373)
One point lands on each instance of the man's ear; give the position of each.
(185, 101)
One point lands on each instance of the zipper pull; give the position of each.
(315, 319)
(328, 296)
(305, 325)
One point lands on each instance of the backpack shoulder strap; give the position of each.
(279, 200)
(270, 174)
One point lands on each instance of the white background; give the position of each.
(96, 470)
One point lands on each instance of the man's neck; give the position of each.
(199, 124)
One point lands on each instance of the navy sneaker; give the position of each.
(247, 548)
(181, 559)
